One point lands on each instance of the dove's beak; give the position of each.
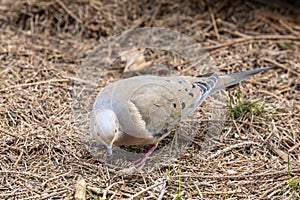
(109, 150)
(110, 146)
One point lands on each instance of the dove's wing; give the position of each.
(158, 106)
(194, 91)
(150, 106)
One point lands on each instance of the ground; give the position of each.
(44, 42)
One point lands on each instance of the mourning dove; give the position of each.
(143, 110)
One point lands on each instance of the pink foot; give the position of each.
(145, 157)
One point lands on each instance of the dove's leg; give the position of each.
(146, 156)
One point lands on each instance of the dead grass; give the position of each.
(43, 42)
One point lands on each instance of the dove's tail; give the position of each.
(234, 78)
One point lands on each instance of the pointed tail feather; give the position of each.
(234, 78)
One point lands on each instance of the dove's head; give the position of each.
(105, 126)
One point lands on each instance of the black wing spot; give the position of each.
(174, 105)
(191, 94)
(203, 86)
(182, 105)
(193, 85)
(185, 89)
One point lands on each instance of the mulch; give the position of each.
(43, 43)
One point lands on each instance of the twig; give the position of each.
(81, 80)
(154, 14)
(283, 23)
(12, 119)
(13, 193)
(68, 11)
(294, 147)
(199, 191)
(237, 128)
(272, 189)
(279, 152)
(273, 174)
(162, 192)
(19, 158)
(56, 177)
(281, 66)
(106, 191)
(99, 190)
(269, 136)
(270, 23)
(241, 161)
(233, 147)
(272, 94)
(215, 25)
(7, 133)
(219, 192)
(24, 173)
(261, 37)
(145, 190)
(108, 188)
(35, 83)
(47, 196)
(251, 124)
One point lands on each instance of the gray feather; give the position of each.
(234, 78)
